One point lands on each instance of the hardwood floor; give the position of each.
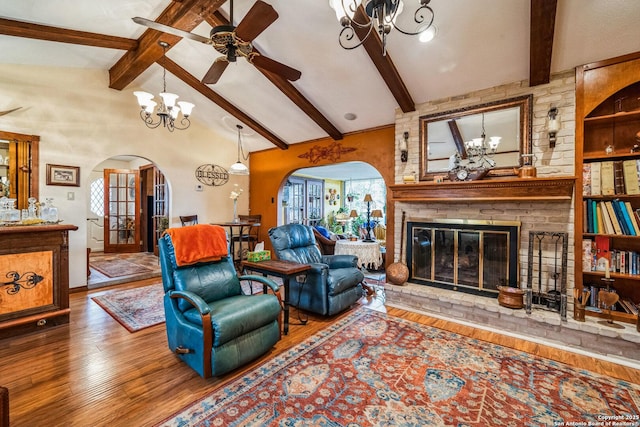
(93, 372)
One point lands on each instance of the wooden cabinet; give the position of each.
(34, 266)
(607, 139)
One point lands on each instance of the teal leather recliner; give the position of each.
(334, 281)
(211, 324)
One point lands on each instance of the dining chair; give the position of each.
(189, 220)
(249, 235)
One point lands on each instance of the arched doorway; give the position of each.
(128, 205)
(316, 195)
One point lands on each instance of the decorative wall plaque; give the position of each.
(332, 152)
(212, 175)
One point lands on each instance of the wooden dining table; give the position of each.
(235, 231)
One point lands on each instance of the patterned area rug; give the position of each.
(371, 369)
(136, 308)
(116, 267)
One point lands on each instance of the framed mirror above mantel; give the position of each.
(19, 167)
(448, 135)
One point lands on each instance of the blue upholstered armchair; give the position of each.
(334, 281)
(211, 324)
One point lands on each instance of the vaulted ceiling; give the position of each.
(479, 44)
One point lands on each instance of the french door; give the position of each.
(304, 204)
(122, 207)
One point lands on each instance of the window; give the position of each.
(96, 201)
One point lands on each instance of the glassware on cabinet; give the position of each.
(11, 213)
(33, 209)
(49, 213)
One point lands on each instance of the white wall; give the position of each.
(81, 122)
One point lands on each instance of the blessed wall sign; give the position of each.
(212, 175)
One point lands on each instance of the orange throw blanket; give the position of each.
(198, 243)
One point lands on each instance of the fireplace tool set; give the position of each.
(551, 247)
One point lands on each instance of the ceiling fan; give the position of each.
(232, 41)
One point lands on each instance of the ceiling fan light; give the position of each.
(238, 169)
(169, 99)
(186, 108)
(143, 98)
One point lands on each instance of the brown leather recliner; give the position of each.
(327, 246)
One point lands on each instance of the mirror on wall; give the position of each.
(19, 167)
(443, 135)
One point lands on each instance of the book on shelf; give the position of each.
(631, 177)
(632, 218)
(602, 245)
(607, 179)
(626, 219)
(631, 308)
(618, 177)
(600, 219)
(586, 179)
(595, 179)
(587, 255)
(606, 219)
(625, 262)
(614, 219)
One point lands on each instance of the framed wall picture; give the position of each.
(63, 175)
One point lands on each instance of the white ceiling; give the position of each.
(480, 44)
(353, 170)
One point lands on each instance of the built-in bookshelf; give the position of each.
(608, 172)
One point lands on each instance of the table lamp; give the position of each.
(368, 199)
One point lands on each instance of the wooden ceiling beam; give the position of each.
(45, 32)
(542, 27)
(195, 83)
(185, 15)
(384, 64)
(288, 89)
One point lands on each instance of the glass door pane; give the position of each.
(122, 222)
(444, 244)
(469, 258)
(496, 260)
(421, 253)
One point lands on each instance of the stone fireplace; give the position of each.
(472, 256)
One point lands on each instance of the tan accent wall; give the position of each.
(271, 168)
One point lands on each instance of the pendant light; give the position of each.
(238, 168)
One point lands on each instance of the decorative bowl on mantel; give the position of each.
(510, 297)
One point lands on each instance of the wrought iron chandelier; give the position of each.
(382, 17)
(167, 111)
(480, 151)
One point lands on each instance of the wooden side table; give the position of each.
(282, 269)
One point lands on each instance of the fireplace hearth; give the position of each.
(472, 256)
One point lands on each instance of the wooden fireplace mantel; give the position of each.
(512, 189)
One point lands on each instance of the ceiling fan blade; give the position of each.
(259, 17)
(276, 67)
(2, 113)
(170, 30)
(215, 71)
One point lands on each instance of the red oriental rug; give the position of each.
(136, 308)
(371, 369)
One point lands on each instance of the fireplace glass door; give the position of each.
(472, 257)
